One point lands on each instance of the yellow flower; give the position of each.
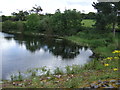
(115, 69)
(105, 59)
(116, 58)
(106, 64)
(109, 58)
(116, 51)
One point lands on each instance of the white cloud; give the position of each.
(48, 6)
(5, 45)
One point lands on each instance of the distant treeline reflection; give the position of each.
(58, 47)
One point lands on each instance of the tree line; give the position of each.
(67, 23)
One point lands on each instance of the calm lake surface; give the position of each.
(20, 53)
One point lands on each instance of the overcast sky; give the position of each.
(48, 6)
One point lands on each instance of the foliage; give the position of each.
(73, 83)
(90, 15)
(33, 22)
(67, 23)
(58, 71)
(5, 18)
(20, 26)
(106, 14)
(9, 25)
(18, 77)
(102, 44)
(20, 16)
(36, 9)
(46, 25)
(68, 70)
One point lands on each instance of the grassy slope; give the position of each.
(102, 45)
(88, 23)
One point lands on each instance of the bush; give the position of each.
(45, 25)
(58, 71)
(9, 25)
(20, 26)
(33, 22)
(67, 23)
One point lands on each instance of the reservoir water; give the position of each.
(20, 53)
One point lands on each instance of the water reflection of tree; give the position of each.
(32, 44)
(63, 48)
(8, 38)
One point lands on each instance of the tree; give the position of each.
(33, 22)
(21, 15)
(58, 23)
(91, 15)
(9, 25)
(67, 23)
(118, 13)
(106, 14)
(46, 25)
(37, 9)
(73, 21)
(4, 18)
(103, 10)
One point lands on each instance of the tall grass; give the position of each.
(58, 71)
(18, 77)
(102, 44)
(73, 83)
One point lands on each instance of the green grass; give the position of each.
(101, 44)
(88, 22)
(74, 82)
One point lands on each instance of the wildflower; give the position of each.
(116, 51)
(115, 69)
(105, 59)
(116, 58)
(106, 64)
(109, 58)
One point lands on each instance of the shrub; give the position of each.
(20, 26)
(9, 25)
(67, 23)
(33, 22)
(58, 71)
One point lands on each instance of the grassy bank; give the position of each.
(102, 44)
(32, 34)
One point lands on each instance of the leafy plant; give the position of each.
(58, 71)
(33, 22)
